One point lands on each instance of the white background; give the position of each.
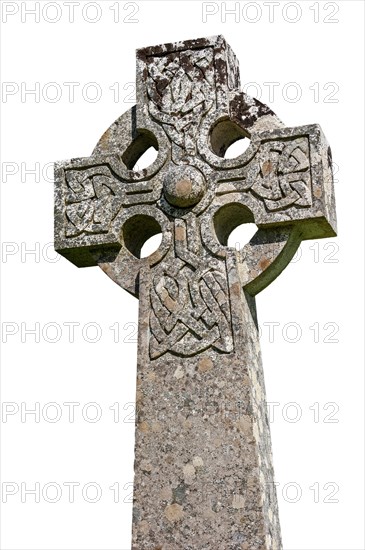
(324, 46)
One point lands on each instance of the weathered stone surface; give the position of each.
(203, 468)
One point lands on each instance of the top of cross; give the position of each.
(190, 108)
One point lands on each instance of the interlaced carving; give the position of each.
(190, 306)
(279, 174)
(189, 93)
(180, 88)
(95, 195)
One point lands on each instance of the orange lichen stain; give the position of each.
(104, 140)
(264, 263)
(205, 364)
(180, 234)
(174, 512)
(169, 303)
(144, 427)
(267, 167)
(317, 192)
(183, 188)
(235, 289)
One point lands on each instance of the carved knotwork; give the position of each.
(278, 174)
(190, 310)
(95, 195)
(92, 200)
(190, 108)
(181, 91)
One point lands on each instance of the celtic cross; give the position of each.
(203, 468)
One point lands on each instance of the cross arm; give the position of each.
(284, 184)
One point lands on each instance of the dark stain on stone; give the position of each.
(179, 493)
(221, 70)
(136, 514)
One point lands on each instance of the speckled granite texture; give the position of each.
(203, 466)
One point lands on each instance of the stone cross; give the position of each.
(203, 467)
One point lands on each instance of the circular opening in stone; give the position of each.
(142, 152)
(228, 140)
(137, 232)
(234, 225)
(151, 245)
(237, 148)
(146, 159)
(241, 235)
